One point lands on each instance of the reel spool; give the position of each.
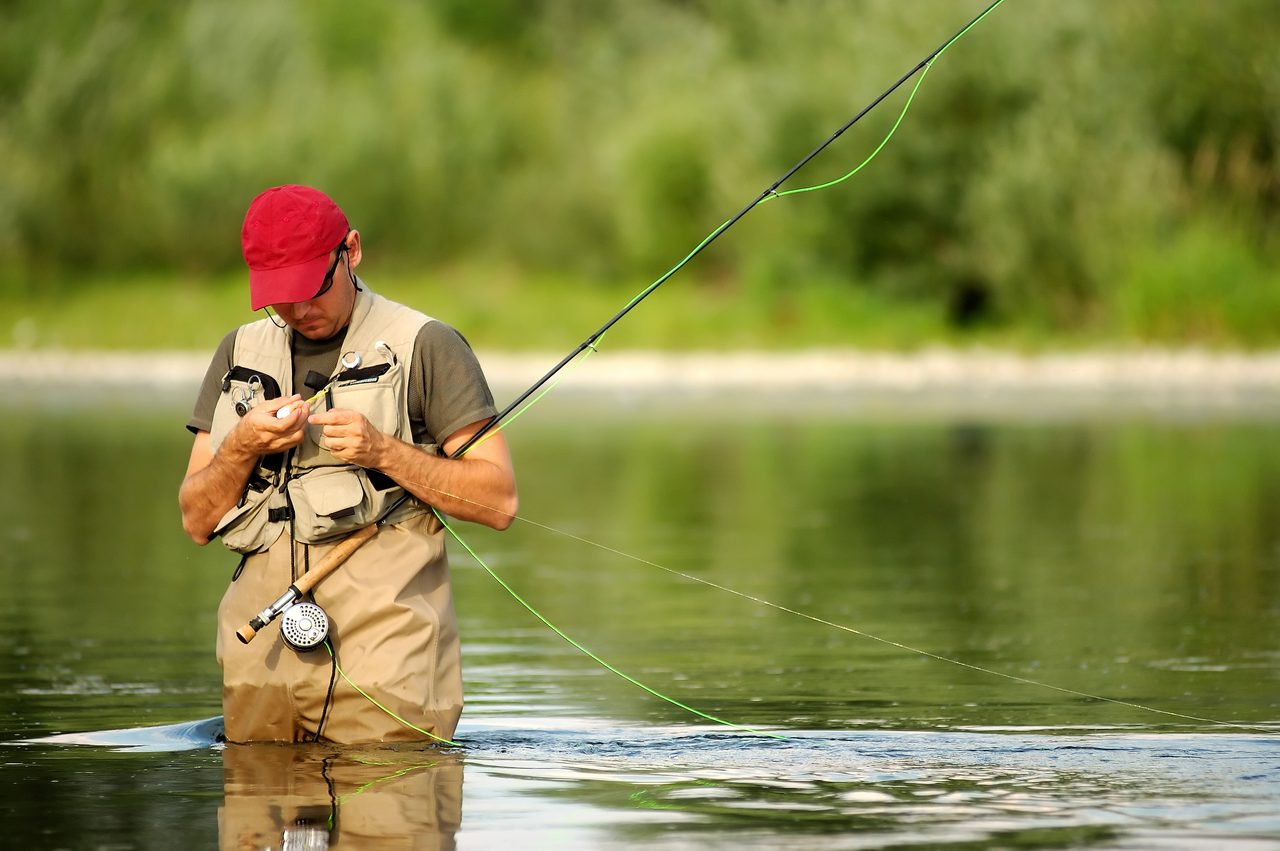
(304, 626)
(304, 835)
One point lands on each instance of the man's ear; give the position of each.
(353, 248)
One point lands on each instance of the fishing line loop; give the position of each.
(925, 64)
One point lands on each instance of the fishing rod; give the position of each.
(306, 626)
(770, 192)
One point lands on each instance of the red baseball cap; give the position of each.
(287, 237)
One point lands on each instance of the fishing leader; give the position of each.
(279, 478)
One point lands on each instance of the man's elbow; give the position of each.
(197, 533)
(191, 522)
(506, 513)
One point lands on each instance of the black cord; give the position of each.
(333, 798)
(333, 681)
(333, 661)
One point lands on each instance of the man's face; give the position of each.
(328, 312)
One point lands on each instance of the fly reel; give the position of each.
(304, 626)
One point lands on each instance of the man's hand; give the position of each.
(351, 437)
(260, 432)
(215, 481)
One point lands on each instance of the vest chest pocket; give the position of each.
(373, 391)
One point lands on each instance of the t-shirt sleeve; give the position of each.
(447, 388)
(211, 387)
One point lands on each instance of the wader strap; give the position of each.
(316, 381)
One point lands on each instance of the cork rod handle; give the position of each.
(331, 562)
(334, 558)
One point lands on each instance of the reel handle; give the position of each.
(331, 562)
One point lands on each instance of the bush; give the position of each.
(1048, 155)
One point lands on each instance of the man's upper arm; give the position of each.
(201, 454)
(448, 393)
(492, 447)
(211, 387)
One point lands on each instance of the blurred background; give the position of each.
(1077, 175)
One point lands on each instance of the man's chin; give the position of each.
(314, 331)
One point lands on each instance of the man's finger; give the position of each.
(273, 405)
(337, 416)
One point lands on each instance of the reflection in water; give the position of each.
(320, 796)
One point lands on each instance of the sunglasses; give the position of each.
(328, 278)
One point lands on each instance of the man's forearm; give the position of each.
(473, 489)
(208, 494)
(215, 481)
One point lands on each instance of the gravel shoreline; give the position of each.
(1187, 378)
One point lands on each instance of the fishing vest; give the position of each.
(306, 489)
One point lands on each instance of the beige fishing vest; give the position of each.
(308, 490)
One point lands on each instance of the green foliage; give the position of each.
(1050, 155)
(1207, 284)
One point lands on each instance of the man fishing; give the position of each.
(338, 410)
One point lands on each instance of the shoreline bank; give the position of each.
(819, 366)
(1182, 378)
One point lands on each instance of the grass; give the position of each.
(496, 309)
(1207, 284)
(1203, 290)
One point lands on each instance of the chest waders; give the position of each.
(390, 608)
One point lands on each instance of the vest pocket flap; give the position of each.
(329, 502)
(336, 494)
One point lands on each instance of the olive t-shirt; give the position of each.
(447, 389)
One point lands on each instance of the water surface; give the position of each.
(1134, 557)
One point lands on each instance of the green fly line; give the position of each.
(640, 296)
(537, 614)
(590, 346)
(788, 610)
(522, 403)
(375, 702)
(886, 641)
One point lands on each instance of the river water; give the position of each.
(977, 629)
